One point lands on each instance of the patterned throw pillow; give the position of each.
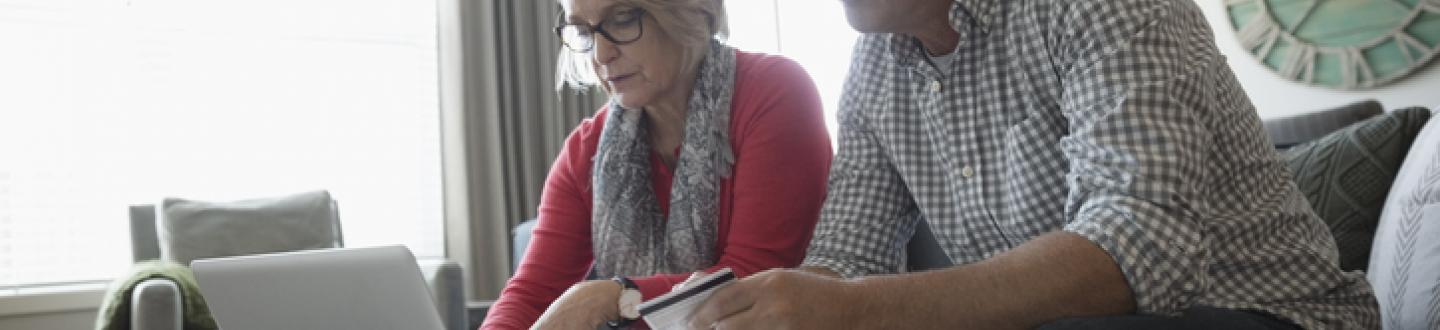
(1347, 174)
(1405, 264)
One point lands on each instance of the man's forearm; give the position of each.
(1054, 276)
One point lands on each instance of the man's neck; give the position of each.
(936, 34)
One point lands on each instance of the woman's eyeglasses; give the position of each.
(620, 28)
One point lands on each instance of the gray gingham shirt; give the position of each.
(1117, 120)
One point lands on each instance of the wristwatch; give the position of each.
(629, 301)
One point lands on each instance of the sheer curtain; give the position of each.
(108, 103)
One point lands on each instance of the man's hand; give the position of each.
(779, 299)
(1054, 276)
(585, 306)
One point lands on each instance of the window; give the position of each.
(813, 33)
(109, 103)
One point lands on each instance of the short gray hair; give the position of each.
(672, 16)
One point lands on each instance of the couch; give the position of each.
(1388, 225)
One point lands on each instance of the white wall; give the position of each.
(1275, 96)
(83, 319)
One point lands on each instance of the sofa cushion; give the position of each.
(1289, 131)
(191, 229)
(1405, 261)
(1346, 175)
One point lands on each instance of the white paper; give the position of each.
(673, 310)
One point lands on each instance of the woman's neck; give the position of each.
(666, 116)
(667, 125)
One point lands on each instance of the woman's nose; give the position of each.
(605, 51)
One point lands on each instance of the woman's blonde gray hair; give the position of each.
(675, 17)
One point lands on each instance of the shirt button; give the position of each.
(967, 171)
(935, 86)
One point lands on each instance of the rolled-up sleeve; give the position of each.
(867, 217)
(1136, 154)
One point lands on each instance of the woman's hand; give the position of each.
(585, 306)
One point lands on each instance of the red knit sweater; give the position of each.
(767, 209)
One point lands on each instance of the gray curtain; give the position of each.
(534, 118)
(514, 123)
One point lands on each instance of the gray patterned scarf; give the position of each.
(631, 237)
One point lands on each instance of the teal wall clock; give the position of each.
(1343, 44)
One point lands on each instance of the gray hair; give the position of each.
(675, 17)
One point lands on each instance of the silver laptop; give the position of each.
(352, 288)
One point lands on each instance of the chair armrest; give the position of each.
(447, 287)
(155, 305)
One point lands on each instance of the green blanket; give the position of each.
(115, 311)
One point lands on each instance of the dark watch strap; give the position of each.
(619, 324)
(626, 282)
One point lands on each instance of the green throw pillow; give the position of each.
(1346, 175)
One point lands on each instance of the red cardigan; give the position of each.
(767, 209)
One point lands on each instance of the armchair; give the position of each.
(156, 303)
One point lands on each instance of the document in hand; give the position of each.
(672, 310)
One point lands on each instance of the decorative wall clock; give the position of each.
(1344, 44)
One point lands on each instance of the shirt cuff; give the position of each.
(1159, 256)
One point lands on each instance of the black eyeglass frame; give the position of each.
(559, 31)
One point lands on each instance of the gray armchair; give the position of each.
(156, 303)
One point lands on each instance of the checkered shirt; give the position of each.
(1117, 120)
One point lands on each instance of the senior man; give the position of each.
(1086, 164)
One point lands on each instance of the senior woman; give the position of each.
(705, 158)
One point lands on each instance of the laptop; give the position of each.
(348, 288)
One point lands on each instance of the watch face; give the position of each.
(1344, 44)
(629, 303)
